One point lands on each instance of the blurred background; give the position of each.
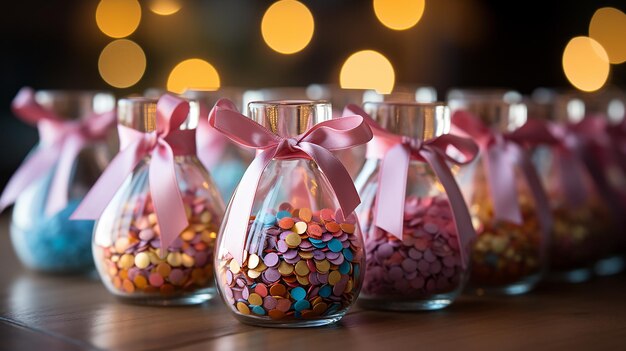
(128, 46)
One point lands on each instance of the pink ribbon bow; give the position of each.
(396, 152)
(502, 153)
(161, 145)
(315, 144)
(60, 143)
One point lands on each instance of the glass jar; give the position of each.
(508, 257)
(579, 236)
(424, 269)
(609, 106)
(584, 234)
(224, 159)
(51, 242)
(302, 261)
(127, 243)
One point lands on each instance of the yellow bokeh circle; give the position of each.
(399, 14)
(608, 27)
(165, 7)
(122, 63)
(586, 64)
(118, 18)
(287, 26)
(193, 74)
(367, 69)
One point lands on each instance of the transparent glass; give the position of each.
(423, 271)
(582, 234)
(231, 161)
(507, 258)
(126, 245)
(54, 243)
(303, 259)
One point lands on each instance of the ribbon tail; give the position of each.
(98, 198)
(502, 187)
(166, 196)
(236, 227)
(210, 144)
(542, 204)
(59, 189)
(392, 191)
(460, 213)
(572, 184)
(34, 167)
(339, 178)
(598, 173)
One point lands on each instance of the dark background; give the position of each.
(516, 44)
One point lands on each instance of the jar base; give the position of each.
(574, 276)
(610, 266)
(183, 300)
(518, 288)
(293, 323)
(436, 302)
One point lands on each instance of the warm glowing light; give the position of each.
(287, 26)
(193, 74)
(399, 14)
(118, 18)
(608, 27)
(122, 63)
(586, 64)
(165, 7)
(367, 69)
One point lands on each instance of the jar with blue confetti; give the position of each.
(46, 189)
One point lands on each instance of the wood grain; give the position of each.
(42, 312)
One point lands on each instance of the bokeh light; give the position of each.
(399, 14)
(122, 63)
(287, 26)
(193, 74)
(367, 69)
(586, 64)
(165, 7)
(118, 18)
(608, 27)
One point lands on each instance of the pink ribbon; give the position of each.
(60, 143)
(315, 144)
(599, 157)
(502, 153)
(210, 142)
(161, 146)
(396, 152)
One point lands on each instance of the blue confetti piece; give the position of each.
(335, 245)
(344, 268)
(302, 305)
(347, 254)
(298, 293)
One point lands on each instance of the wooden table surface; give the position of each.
(40, 312)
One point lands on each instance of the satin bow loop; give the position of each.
(315, 144)
(161, 145)
(396, 151)
(60, 143)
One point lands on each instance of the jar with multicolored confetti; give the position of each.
(74, 128)
(586, 231)
(582, 220)
(417, 228)
(507, 202)
(153, 243)
(290, 252)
